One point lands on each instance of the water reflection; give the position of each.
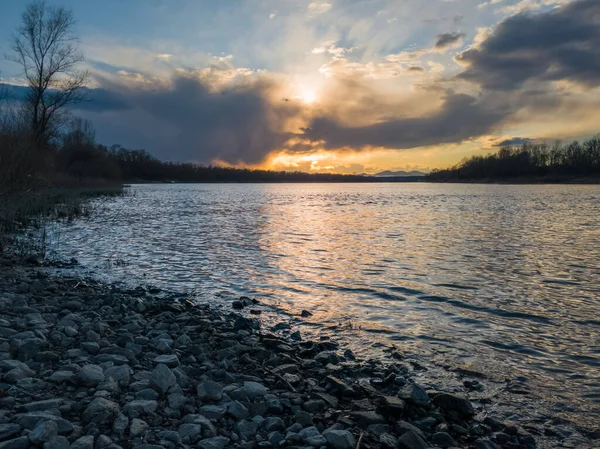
(503, 278)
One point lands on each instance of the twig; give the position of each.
(360, 439)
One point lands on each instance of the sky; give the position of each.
(348, 86)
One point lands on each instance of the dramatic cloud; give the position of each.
(447, 40)
(563, 44)
(460, 117)
(513, 142)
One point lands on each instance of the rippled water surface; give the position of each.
(502, 279)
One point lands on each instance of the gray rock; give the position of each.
(43, 432)
(171, 360)
(8, 431)
(388, 441)
(314, 405)
(246, 429)
(340, 439)
(190, 433)
(17, 443)
(121, 374)
(237, 411)
(141, 407)
(177, 401)
(208, 429)
(120, 426)
(410, 440)
(214, 443)
(162, 378)
(18, 373)
(448, 401)
(273, 423)
(303, 418)
(90, 375)
(148, 394)
(275, 438)
(215, 412)
(414, 393)
(138, 427)
(59, 442)
(85, 442)
(209, 391)
(312, 437)
(40, 406)
(62, 376)
(100, 411)
(30, 421)
(366, 419)
(443, 439)
(484, 443)
(91, 347)
(254, 390)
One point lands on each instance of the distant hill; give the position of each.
(389, 173)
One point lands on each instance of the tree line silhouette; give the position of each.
(528, 161)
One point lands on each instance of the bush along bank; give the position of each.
(87, 366)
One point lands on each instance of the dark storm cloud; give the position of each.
(415, 69)
(461, 117)
(513, 142)
(236, 124)
(563, 44)
(446, 40)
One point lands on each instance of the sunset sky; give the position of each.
(333, 85)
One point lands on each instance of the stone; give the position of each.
(138, 427)
(8, 431)
(340, 439)
(448, 402)
(415, 394)
(215, 412)
(59, 442)
(303, 418)
(314, 405)
(273, 423)
(484, 443)
(443, 439)
(176, 401)
(30, 421)
(43, 432)
(120, 425)
(365, 419)
(91, 347)
(141, 407)
(208, 429)
(312, 437)
(85, 442)
(90, 375)
(148, 394)
(410, 440)
(171, 360)
(100, 411)
(190, 433)
(237, 411)
(214, 443)
(62, 376)
(121, 374)
(17, 443)
(209, 391)
(40, 406)
(162, 378)
(254, 389)
(388, 441)
(18, 373)
(246, 429)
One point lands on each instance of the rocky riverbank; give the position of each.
(87, 366)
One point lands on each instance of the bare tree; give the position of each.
(47, 50)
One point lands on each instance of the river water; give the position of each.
(499, 279)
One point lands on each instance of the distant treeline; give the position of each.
(529, 161)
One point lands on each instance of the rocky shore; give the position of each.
(88, 366)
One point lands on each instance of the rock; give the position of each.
(312, 437)
(365, 419)
(91, 347)
(254, 390)
(484, 443)
(176, 401)
(314, 405)
(305, 314)
(85, 442)
(138, 427)
(62, 376)
(443, 439)
(388, 441)
(141, 407)
(190, 433)
(303, 418)
(214, 412)
(8, 431)
(18, 373)
(410, 440)
(90, 375)
(273, 423)
(340, 439)
(214, 443)
(171, 360)
(100, 411)
(40, 406)
(59, 442)
(392, 405)
(17, 443)
(415, 394)
(30, 421)
(43, 432)
(237, 411)
(162, 378)
(449, 402)
(209, 391)
(120, 426)
(207, 428)
(246, 429)
(121, 374)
